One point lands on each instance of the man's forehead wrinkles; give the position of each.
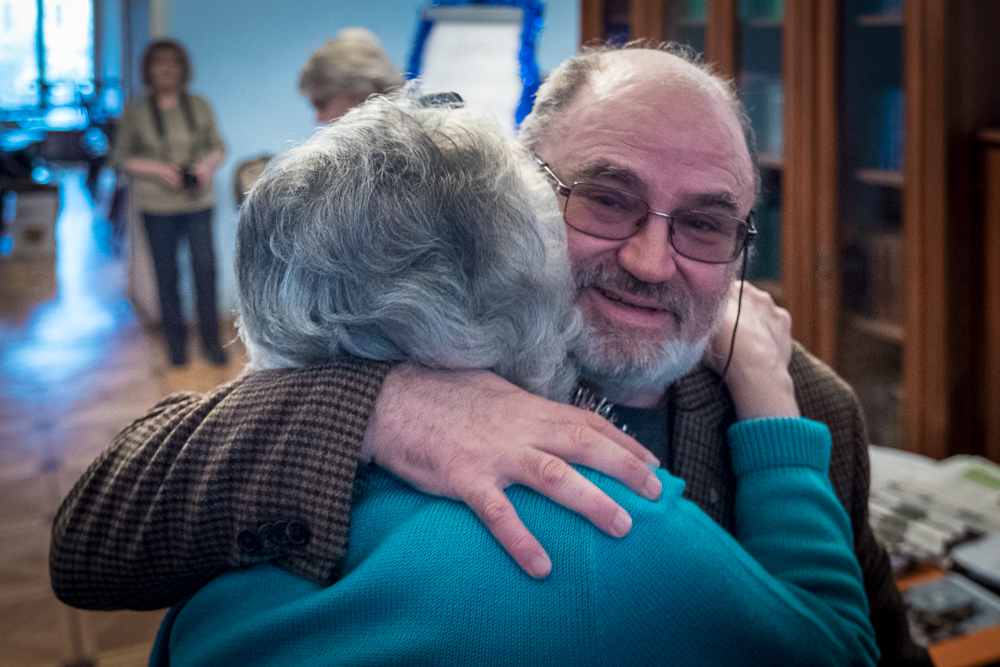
(605, 169)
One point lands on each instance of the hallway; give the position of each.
(76, 366)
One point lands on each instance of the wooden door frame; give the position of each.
(990, 208)
(810, 278)
(591, 18)
(926, 405)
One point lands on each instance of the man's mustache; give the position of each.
(666, 295)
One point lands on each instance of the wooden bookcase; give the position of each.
(881, 259)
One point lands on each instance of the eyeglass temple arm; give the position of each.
(561, 187)
(751, 227)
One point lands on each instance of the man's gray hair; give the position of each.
(350, 65)
(408, 232)
(565, 82)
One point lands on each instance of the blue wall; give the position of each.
(247, 56)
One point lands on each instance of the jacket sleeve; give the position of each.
(258, 469)
(823, 396)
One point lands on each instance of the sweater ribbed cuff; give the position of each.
(757, 444)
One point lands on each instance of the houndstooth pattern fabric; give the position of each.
(159, 512)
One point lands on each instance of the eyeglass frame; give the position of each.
(566, 190)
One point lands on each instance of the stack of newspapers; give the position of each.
(946, 513)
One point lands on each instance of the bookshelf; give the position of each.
(758, 73)
(876, 241)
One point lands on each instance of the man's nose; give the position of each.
(648, 255)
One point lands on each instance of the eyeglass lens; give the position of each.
(612, 214)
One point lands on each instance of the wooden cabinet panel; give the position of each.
(990, 202)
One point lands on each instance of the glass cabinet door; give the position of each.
(684, 23)
(759, 35)
(615, 21)
(870, 228)
(756, 31)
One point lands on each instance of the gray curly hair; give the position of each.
(350, 65)
(408, 232)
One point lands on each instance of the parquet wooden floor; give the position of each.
(76, 366)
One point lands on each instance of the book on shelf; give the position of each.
(695, 11)
(893, 7)
(765, 258)
(765, 10)
(890, 129)
(888, 278)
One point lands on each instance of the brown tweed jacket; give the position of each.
(262, 468)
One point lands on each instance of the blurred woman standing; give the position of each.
(168, 142)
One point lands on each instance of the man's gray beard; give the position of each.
(619, 364)
(602, 362)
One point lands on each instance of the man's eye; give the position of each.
(700, 223)
(608, 200)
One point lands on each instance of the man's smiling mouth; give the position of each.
(620, 300)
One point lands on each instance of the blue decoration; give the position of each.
(533, 23)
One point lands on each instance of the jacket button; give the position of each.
(247, 541)
(298, 532)
(279, 532)
(266, 535)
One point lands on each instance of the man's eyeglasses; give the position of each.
(615, 215)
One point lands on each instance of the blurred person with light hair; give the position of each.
(345, 71)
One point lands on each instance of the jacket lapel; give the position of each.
(702, 412)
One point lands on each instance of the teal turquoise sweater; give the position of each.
(425, 584)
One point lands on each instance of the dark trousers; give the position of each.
(163, 232)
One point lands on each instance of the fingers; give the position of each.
(592, 441)
(172, 175)
(429, 428)
(770, 321)
(553, 477)
(496, 512)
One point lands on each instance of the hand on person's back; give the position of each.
(468, 435)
